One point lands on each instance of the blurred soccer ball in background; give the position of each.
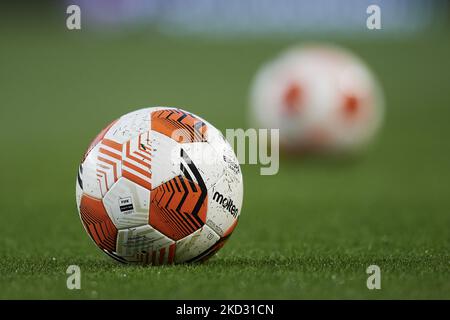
(322, 98)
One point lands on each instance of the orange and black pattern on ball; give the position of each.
(178, 207)
(98, 224)
(157, 257)
(136, 163)
(181, 126)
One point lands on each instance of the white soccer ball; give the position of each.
(321, 97)
(159, 186)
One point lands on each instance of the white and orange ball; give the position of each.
(321, 97)
(159, 186)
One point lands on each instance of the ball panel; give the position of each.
(79, 186)
(145, 245)
(129, 126)
(195, 244)
(137, 160)
(216, 246)
(209, 163)
(108, 163)
(97, 223)
(179, 125)
(226, 157)
(178, 207)
(165, 159)
(210, 251)
(225, 202)
(93, 183)
(127, 204)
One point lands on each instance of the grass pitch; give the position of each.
(309, 232)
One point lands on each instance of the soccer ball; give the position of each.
(321, 97)
(159, 186)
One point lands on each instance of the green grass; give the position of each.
(309, 232)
